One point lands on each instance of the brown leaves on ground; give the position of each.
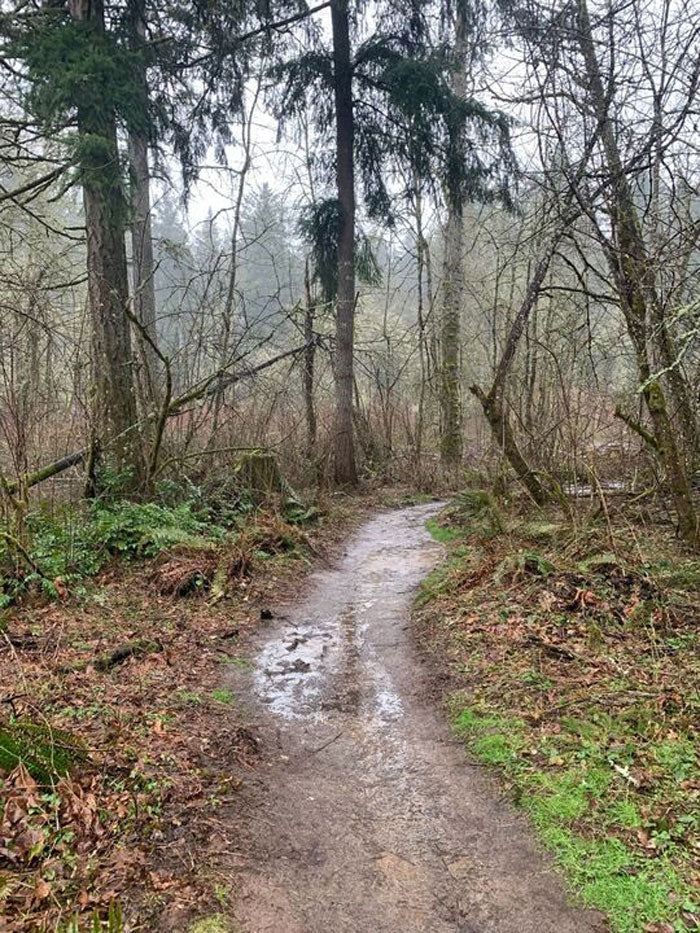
(21, 836)
(585, 647)
(48, 836)
(140, 820)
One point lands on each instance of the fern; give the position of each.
(146, 529)
(47, 753)
(478, 505)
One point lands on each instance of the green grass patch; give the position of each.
(188, 698)
(577, 812)
(443, 533)
(217, 923)
(439, 581)
(240, 663)
(222, 695)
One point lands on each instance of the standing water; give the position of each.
(369, 818)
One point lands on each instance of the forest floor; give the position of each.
(568, 655)
(127, 679)
(278, 759)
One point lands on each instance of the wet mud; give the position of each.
(368, 817)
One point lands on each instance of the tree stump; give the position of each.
(259, 474)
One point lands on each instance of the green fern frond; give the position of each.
(47, 753)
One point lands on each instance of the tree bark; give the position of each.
(344, 450)
(450, 333)
(143, 266)
(453, 280)
(504, 436)
(114, 401)
(634, 279)
(309, 365)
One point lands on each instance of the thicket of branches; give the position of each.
(396, 239)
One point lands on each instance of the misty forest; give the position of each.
(349, 466)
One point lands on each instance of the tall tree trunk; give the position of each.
(344, 450)
(422, 343)
(453, 280)
(634, 278)
(450, 333)
(143, 266)
(309, 365)
(114, 407)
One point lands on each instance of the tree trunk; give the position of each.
(423, 353)
(143, 267)
(453, 279)
(114, 406)
(450, 330)
(504, 436)
(344, 460)
(634, 278)
(309, 364)
(142, 264)
(108, 293)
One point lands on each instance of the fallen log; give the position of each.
(131, 649)
(208, 388)
(51, 469)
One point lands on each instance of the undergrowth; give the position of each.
(575, 666)
(63, 546)
(112, 696)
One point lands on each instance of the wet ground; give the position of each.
(369, 818)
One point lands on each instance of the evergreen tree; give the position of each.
(381, 102)
(90, 74)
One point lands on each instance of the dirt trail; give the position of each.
(369, 818)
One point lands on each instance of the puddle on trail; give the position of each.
(330, 659)
(366, 817)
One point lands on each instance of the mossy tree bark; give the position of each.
(450, 334)
(504, 436)
(309, 365)
(114, 401)
(344, 449)
(143, 266)
(634, 279)
(142, 262)
(453, 274)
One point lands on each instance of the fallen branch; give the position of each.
(131, 649)
(209, 387)
(58, 466)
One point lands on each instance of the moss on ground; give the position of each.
(575, 668)
(217, 923)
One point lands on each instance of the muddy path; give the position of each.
(368, 818)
